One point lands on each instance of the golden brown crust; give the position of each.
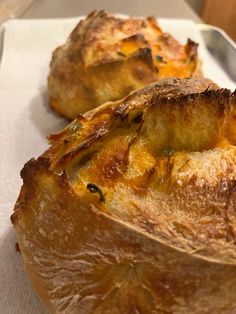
(105, 58)
(132, 208)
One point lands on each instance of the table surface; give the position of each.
(68, 8)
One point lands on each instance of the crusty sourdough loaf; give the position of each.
(106, 57)
(132, 208)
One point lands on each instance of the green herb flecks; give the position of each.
(59, 172)
(167, 152)
(93, 188)
(75, 126)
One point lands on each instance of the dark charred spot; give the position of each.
(17, 247)
(191, 49)
(159, 58)
(138, 118)
(145, 53)
(156, 69)
(121, 54)
(66, 141)
(136, 38)
(121, 112)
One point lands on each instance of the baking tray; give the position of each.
(221, 46)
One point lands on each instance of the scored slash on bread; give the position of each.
(132, 208)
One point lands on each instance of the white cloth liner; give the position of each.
(26, 120)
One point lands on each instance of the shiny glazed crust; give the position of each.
(106, 57)
(132, 208)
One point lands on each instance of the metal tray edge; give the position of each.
(221, 47)
(204, 27)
